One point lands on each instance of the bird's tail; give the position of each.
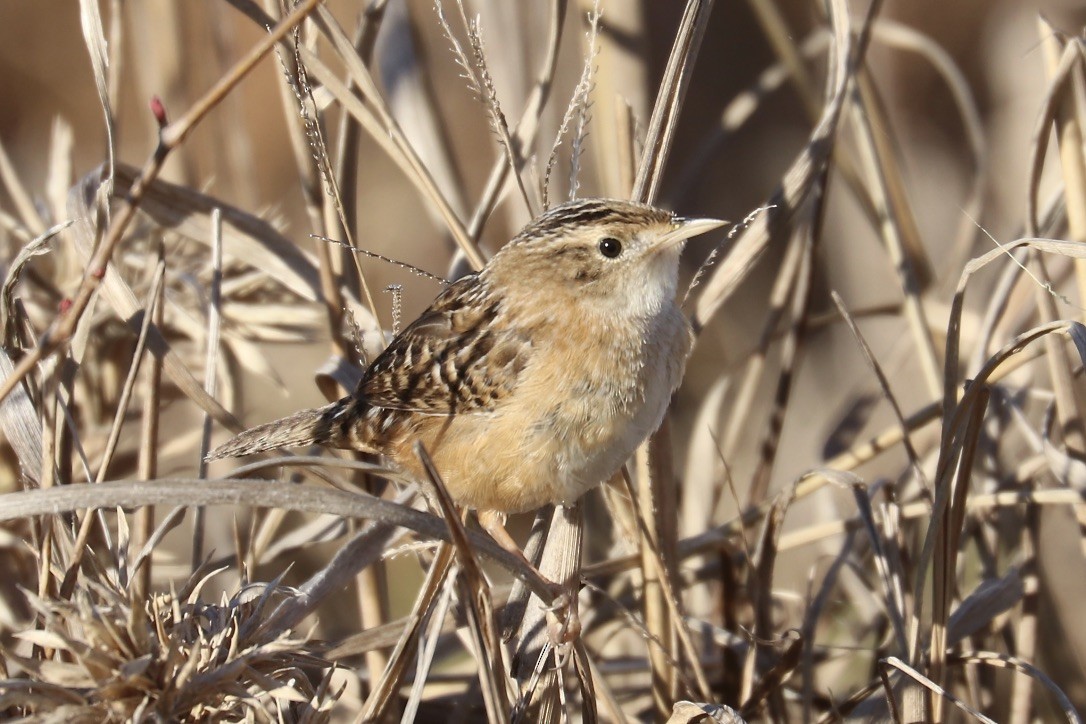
(319, 426)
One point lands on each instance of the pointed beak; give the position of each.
(687, 228)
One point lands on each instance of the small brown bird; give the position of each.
(533, 380)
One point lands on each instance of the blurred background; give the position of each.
(242, 155)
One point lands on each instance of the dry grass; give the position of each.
(867, 503)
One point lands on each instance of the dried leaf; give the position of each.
(21, 424)
(687, 712)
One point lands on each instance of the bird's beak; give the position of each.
(685, 229)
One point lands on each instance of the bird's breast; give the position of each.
(597, 399)
(580, 408)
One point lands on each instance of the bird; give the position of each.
(531, 381)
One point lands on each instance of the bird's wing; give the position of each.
(451, 360)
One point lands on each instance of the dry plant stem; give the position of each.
(475, 598)
(843, 709)
(802, 249)
(432, 637)
(793, 344)
(790, 354)
(740, 412)
(606, 696)
(950, 452)
(24, 437)
(808, 484)
(874, 157)
(893, 662)
(148, 456)
(951, 357)
(170, 137)
(1000, 301)
(152, 307)
(383, 692)
(976, 503)
(345, 169)
(540, 662)
(50, 380)
(116, 52)
(480, 80)
(1051, 246)
(298, 109)
(780, 36)
(256, 494)
(388, 634)
(761, 584)
(906, 38)
(1015, 309)
(327, 209)
(1025, 632)
(619, 94)
(884, 384)
(798, 180)
(1071, 57)
(20, 197)
(812, 613)
(371, 590)
(1069, 134)
(1003, 661)
(394, 144)
(740, 109)
(211, 378)
(516, 603)
(892, 182)
(656, 486)
(524, 134)
(663, 575)
(1067, 88)
(944, 569)
(172, 206)
(1068, 409)
(90, 16)
(333, 196)
(67, 439)
(1069, 401)
(625, 126)
(815, 480)
(374, 115)
(665, 113)
(653, 606)
(582, 667)
(770, 687)
(362, 550)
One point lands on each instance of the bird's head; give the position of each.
(617, 256)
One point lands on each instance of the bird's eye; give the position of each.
(610, 247)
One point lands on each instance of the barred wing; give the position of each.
(451, 360)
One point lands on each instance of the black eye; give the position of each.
(610, 247)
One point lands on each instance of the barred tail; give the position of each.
(320, 426)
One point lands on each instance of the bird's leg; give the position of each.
(493, 523)
(566, 624)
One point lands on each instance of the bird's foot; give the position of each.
(563, 618)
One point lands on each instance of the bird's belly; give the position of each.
(601, 429)
(553, 462)
(560, 434)
(572, 438)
